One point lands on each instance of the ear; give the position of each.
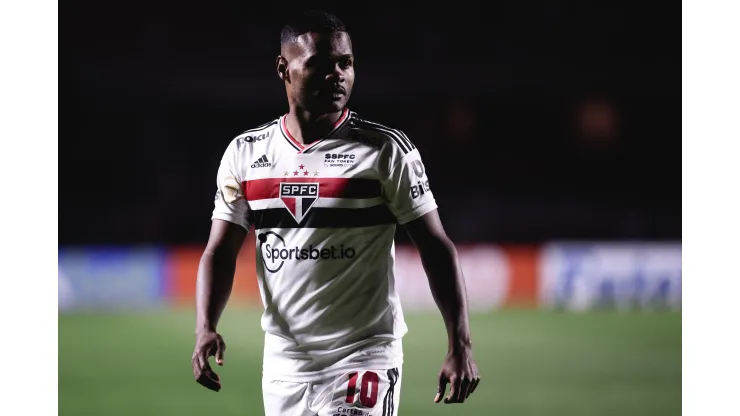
(282, 68)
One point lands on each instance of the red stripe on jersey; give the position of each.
(290, 136)
(341, 118)
(354, 188)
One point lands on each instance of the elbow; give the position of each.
(439, 246)
(218, 254)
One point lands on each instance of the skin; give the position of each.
(312, 68)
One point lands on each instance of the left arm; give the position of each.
(446, 281)
(409, 197)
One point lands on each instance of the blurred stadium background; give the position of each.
(550, 132)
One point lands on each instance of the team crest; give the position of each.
(299, 197)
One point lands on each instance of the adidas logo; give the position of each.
(262, 162)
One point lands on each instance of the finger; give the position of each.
(202, 366)
(205, 376)
(209, 380)
(203, 363)
(220, 348)
(454, 389)
(474, 386)
(441, 387)
(196, 366)
(464, 389)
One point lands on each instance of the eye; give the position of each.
(346, 62)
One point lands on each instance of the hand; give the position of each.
(207, 344)
(461, 372)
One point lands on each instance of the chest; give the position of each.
(340, 178)
(327, 161)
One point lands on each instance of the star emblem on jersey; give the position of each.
(299, 197)
(302, 171)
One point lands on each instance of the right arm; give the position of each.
(217, 265)
(216, 273)
(213, 287)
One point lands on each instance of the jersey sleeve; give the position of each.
(230, 203)
(406, 188)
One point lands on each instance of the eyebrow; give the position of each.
(340, 56)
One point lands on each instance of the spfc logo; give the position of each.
(298, 198)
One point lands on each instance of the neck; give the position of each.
(307, 127)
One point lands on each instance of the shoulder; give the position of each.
(379, 135)
(240, 145)
(257, 134)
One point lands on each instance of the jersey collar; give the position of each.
(300, 147)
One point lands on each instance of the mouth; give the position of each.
(336, 92)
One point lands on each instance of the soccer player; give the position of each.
(324, 189)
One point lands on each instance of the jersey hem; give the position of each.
(229, 218)
(418, 212)
(334, 372)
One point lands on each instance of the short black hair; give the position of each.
(310, 21)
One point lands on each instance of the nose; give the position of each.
(337, 74)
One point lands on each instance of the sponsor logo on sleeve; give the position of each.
(231, 190)
(252, 138)
(418, 168)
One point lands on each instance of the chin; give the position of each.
(331, 107)
(338, 106)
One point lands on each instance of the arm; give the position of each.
(218, 263)
(439, 258)
(213, 287)
(446, 281)
(409, 197)
(216, 273)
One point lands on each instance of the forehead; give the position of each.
(322, 43)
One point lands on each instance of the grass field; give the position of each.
(532, 363)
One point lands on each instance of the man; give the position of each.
(324, 190)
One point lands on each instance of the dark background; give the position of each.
(536, 121)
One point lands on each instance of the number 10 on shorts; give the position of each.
(368, 388)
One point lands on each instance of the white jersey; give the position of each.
(325, 217)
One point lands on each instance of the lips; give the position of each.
(337, 91)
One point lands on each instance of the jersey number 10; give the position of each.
(368, 388)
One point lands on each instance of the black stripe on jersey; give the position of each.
(387, 394)
(324, 218)
(405, 137)
(401, 140)
(393, 393)
(400, 134)
(367, 125)
(262, 127)
(388, 404)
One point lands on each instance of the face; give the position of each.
(319, 71)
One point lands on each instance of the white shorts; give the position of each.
(357, 393)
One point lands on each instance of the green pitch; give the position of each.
(532, 363)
